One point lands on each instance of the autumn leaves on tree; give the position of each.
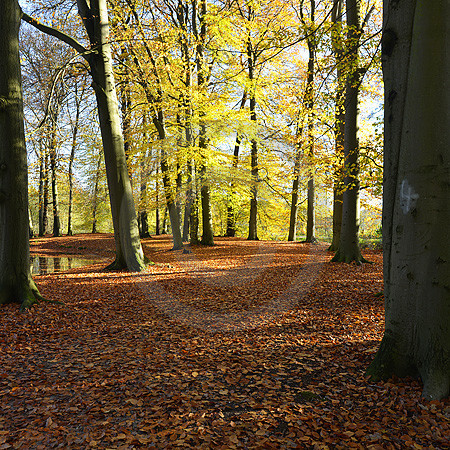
(210, 76)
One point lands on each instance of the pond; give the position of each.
(43, 265)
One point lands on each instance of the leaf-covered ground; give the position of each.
(254, 345)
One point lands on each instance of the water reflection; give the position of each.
(42, 265)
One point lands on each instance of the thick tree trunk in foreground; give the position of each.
(416, 207)
(16, 284)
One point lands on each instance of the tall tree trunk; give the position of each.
(349, 250)
(46, 193)
(155, 101)
(416, 208)
(311, 214)
(144, 174)
(16, 284)
(186, 106)
(94, 15)
(339, 123)
(164, 223)
(95, 196)
(193, 229)
(129, 252)
(157, 219)
(174, 216)
(41, 230)
(71, 159)
(53, 165)
(231, 216)
(205, 194)
(188, 204)
(294, 195)
(179, 177)
(253, 219)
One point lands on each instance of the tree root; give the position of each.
(313, 240)
(26, 295)
(118, 265)
(351, 257)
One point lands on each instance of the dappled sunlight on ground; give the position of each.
(243, 345)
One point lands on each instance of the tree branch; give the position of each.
(57, 34)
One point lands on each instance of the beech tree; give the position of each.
(16, 284)
(94, 16)
(416, 208)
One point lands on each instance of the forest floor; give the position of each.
(257, 345)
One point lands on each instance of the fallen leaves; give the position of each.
(242, 345)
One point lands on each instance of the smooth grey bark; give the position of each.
(339, 122)
(95, 196)
(43, 187)
(188, 203)
(416, 207)
(194, 216)
(294, 195)
(183, 14)
(205, 190)
(157, 220)
(253, 219)
(94, 15)
(16, 284)
(349, 250)
(156, 101)
(231, 216)
(144, 174)
(129, 252)
(71, 159)
(310, 214)
(54, 112)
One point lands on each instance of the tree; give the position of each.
(416, 208)
(94, 16)
(202, 79)
(16, 284)
(339, 123)
(349, 250)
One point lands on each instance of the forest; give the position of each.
(212, 212)
(224, 125)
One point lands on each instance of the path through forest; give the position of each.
(242, 345)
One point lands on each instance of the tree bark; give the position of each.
(416, 208)
(310, 215)
(95, 205)
(71, 159)
(253, 219)
(129, 252)
(205, 194)
(144, 174)
(43, 188)
(231, 216)
(53, 166)
(294, 196)
(339, 123)
(16, 284)
(349, 250)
